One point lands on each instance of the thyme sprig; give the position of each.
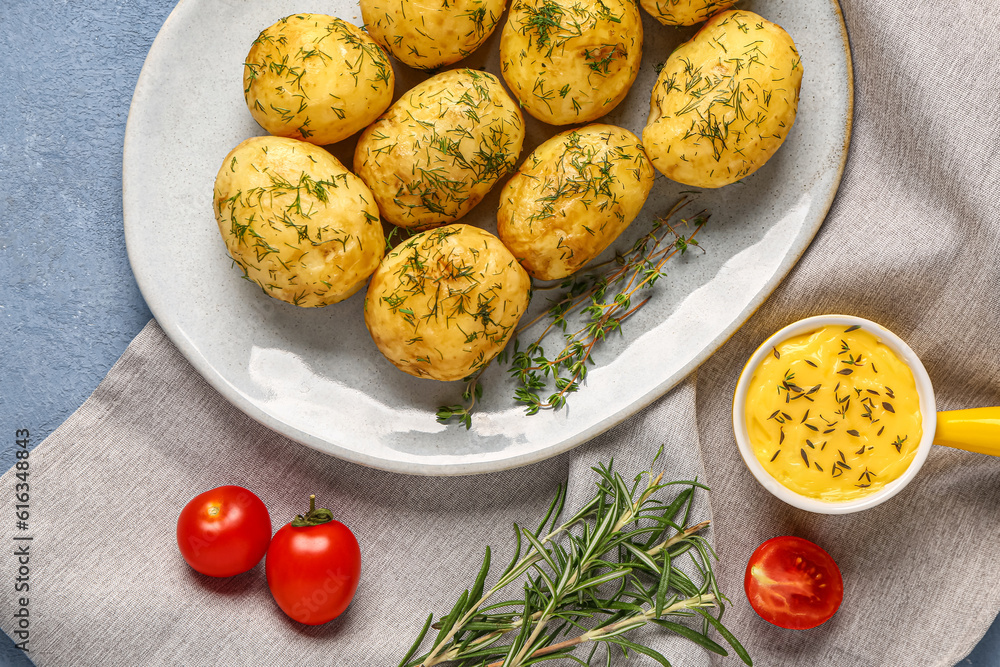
(609, 569)
(601, 299)
(605, 300)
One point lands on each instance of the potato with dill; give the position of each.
(316, 78)
(440, 148)
(444, 302)
(427, 34)
(724, 101)
(571, 61)
(296, 221)
(572, 197)
(684, 12)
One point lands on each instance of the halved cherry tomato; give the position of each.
(793, 583)
(224, 531)
(313, 566)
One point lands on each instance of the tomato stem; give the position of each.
(314, 517)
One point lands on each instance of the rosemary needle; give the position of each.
(611, 568)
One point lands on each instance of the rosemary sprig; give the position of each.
(611, 568)
(597, 302)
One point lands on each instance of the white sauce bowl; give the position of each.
(925, 392)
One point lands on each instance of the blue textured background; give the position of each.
(68, 302)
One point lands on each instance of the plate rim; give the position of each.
(201, 364)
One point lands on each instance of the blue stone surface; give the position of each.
(69, 304)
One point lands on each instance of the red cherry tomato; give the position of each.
(313, 566)
(793, 583)
(224, 531)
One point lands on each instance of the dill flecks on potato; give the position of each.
(427, 34)
(316, 78)
(684, 12)
(439, 149)
(296, 221)
(572, 198)
(571, 62)
(444, 302)
(724, 101)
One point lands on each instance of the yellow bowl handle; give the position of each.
(975, 430)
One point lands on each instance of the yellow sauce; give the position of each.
(833, 414)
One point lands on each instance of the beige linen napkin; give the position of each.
(108, 585)
(911, 242)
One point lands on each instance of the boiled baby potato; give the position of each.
(296, 221)
(724, 101)
(316, 78)
(444, 302)
(440, 148)
(684, 12)
(571, 61)
(572, 197)
(427, 34)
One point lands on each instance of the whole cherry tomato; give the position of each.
(313, 566)
(793, 583)
(224, 531)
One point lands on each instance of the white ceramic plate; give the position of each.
(315, 375)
